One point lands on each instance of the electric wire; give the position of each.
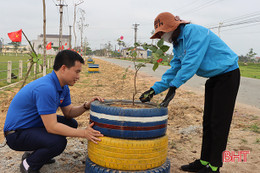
(201, 6)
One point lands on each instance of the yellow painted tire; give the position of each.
(130, 155)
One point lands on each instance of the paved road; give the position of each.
(248, 92)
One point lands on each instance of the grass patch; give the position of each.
(250, 70)
(254, 128)
(15, 67)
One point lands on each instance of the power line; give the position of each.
(243, 16)
(201, 6)
(188, 4)
(247, 18)
(247, 21)
(249, 25)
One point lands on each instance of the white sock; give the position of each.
(25, 164)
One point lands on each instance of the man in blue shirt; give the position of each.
(199, 51)
(32, 123)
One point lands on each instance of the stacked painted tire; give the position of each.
(134, 139)
(90, 61)
(93, 68)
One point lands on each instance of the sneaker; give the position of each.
(27, 154)
(23, 170)
(207, 169)
(193, 167)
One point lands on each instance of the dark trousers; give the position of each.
(220, 97)
(43, 144)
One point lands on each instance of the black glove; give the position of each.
(147, 95)
(168, 97)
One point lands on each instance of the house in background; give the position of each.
(10, 48)
(141, 53)
(38, 44)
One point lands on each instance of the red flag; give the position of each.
(48, 47)
(15, 36)
(62, 47)
(121, 38)
(65, 44)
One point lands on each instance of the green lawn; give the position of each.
(15, 66)
(250, 70)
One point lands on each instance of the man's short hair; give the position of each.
(67, 58)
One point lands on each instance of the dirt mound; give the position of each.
(184, 125)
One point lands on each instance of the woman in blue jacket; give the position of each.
(197, 50)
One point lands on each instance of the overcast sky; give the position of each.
(109, 19)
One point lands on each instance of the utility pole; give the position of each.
(82, 26)
(152, 34)
(70, 37)
(135, 28)
(74, 22)
(61, 13)
(44, 38)
(220, 24)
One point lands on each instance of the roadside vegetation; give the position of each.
(15, 67)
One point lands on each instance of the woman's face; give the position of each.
(167, 36)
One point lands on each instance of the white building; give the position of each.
(141, 53)
(38, 44)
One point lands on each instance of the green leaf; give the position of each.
(145, 47)
(35, 59)
(130, 48)
(155, 66)
(155, 55)
(134, 54)
(160, 43)
(159, 52)
(136, 44)
(153, 48)
(40, 62)
(140, 65)
(164, 48)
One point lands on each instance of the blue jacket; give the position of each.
(199, 51)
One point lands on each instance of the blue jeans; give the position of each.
(44, 145)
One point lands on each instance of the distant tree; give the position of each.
(251, 53)
(248, 57)
(243, 58)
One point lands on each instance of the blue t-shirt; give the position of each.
(40, 97)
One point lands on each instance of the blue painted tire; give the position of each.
(128, 123)
(91, 167)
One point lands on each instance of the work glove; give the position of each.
(147, 95)
(169, 97)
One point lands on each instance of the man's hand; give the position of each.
(169, 97)
(87, 104)
(147, 95)
(91, 134)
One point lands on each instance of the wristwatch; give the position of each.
(87, 108)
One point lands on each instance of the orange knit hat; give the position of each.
(166, 22)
